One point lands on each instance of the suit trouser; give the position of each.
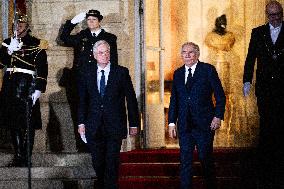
(105, 151)
(204, 144)
(271, 138)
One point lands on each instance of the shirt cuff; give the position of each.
(172, 125)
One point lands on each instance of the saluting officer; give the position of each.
(84, 41)
(25, 78)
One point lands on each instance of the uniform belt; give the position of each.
(13, 70)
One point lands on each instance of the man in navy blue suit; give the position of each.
(103, 89)
(197, 118)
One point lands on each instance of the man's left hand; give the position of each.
(133, 131)
(215, 124)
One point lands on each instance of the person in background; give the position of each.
(25, 78)
(266, 47)
(84, 41)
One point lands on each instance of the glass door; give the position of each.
(157, 82)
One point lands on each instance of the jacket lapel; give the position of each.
(196, 74)
(93, 79)
(267, 36)
(280, 39)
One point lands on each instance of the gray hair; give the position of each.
(98, 43)
(193, 45)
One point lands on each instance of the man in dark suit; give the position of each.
(103, 88)
(192, 107)
(267, 47)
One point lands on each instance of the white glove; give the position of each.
(14, 45)
(78, 18)
(35, 96)
(246, 88)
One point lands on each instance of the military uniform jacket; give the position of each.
(83, 43)
(270, 62)
(18, 86)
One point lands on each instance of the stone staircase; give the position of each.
(49, 171)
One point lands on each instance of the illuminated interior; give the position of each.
(168, 24)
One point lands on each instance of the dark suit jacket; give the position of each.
(83, 43)
(269, 72)
(196, 103)
(111, 108)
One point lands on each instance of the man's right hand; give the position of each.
(246, 88)
(172, 132)
(81, 131)
(78, 18)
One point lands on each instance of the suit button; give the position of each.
(188, 98)
(89, 60)
(272, 77)
(102, 106)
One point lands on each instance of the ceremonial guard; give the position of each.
(24, 61)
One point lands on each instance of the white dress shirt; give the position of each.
(274, 32)
(99, 74)
(193, 67)
(186, 71)
(96, 32)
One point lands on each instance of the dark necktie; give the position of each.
(102, 83)
(189, 79)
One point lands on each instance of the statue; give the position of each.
(220, 41)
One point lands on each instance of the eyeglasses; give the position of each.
(101, 53)
(274, 14)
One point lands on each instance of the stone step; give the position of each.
(48, 184)
(49, 171)
(61, 172)
(51, 159)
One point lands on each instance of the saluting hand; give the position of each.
(78, 18)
